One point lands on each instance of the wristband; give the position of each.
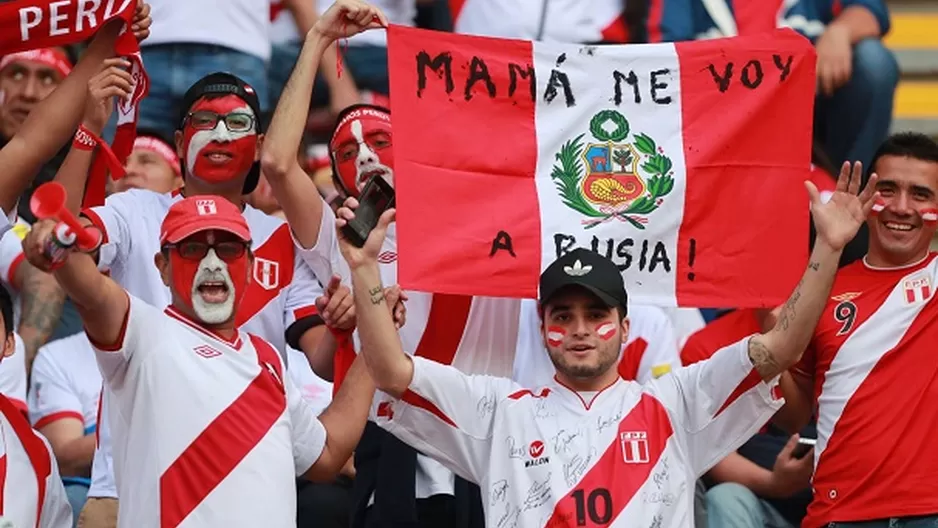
(84, 139)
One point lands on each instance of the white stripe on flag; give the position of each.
(650, 102)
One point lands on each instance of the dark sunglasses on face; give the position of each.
(208, 120)
(194, 250)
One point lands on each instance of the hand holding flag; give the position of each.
(838, 220)
(346, 18)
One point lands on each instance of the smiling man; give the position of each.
(870, 371)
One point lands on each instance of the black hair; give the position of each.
(6, 309)
(907, 145)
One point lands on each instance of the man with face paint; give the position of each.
(394, 484)
(217, 142)
(208, 428)
(590, 448)
(870, 369)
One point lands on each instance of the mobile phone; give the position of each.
(376, 197)
(803, 447)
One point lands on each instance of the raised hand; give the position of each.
(336, 307)
(141, 22)
(112, 81)
(838, 220)
(345, 18)
(44, 247)
(367, 254)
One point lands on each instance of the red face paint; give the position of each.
(185, 272)
(361, 147)
(220, 155)
(555, 335)
(606, 331)
(878, 206)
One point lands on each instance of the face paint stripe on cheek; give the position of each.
(930, 216)
(555, 335)
(606, 331)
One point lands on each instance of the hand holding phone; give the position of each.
(804, 447)
(376, 197)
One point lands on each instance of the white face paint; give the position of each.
(368, 163)
(220, 154)
(213, 308)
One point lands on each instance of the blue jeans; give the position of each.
(927, 521)
(853, 122)
(77, 493)
(368, 65)
(732, 505)
(173, 68)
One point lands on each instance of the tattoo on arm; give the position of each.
(763, 360)
(41, 303)
(377, 294)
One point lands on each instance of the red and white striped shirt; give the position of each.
(875, 376)
(549, 456)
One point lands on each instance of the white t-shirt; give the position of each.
(548, 20)
(659, 353)
(315, 390)
(29, 475)
(207, 431)
(546, 456)
(66, 383)
(282, 291)
(13, 375)
(242, 25)
(489, 330)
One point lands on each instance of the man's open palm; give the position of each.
(838, 220)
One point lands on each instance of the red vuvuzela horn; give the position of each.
(48, 201)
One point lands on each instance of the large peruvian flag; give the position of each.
(683, 163)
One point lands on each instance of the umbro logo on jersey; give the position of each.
(206, 351)
(266, 273)
(918, 289)
(385, 410)
(634, 447)
(849, 296)
(206, 207)
(387, 257)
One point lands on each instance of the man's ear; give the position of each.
(260, 146)
(625, 325)
(177, 138)
(162, 264)
(9, 346)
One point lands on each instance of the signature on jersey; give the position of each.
(538, 494)
(576, 467)
(499, 491)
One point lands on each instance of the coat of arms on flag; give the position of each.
(601, 179)
(682, 163)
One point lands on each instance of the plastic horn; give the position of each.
(48, 201)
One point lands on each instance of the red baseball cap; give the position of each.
(202, 213)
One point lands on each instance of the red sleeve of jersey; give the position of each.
(14, 266)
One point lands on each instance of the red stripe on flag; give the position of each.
(744, 174)
(220, 448)
(479, 156)
(612, 476)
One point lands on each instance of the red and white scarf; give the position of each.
(34, 24)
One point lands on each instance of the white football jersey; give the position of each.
(207, 431)
(283, 289)
(627, 455)
(31, 492)
(486, 330)
(66, 384)
(650, 330)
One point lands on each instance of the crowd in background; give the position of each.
(761, 485)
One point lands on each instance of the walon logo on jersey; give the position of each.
(536, 452)
(634, 447)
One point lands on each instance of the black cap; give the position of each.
(219, 84)
(589, 270)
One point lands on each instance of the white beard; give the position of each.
(213, 269)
